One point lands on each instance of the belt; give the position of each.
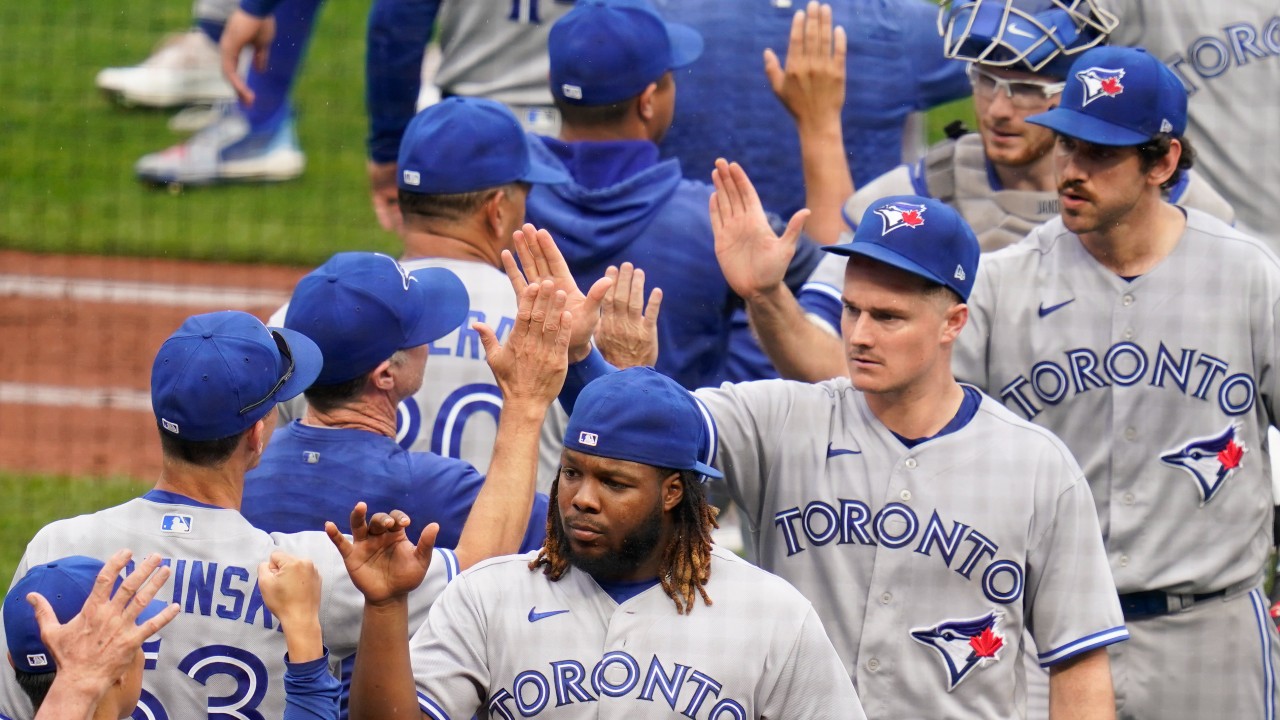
(1151, 603)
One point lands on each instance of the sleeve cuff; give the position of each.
(1083, 645)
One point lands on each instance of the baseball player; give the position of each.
(628, 611)
(928, 524)
(466, 167)
(1145, 335)
(374, 322)
(1225, 55)
(215, 383)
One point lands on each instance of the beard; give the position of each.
(636, 547)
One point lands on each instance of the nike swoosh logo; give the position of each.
(535, 616)
(1015, 30)
(1054, 308)
(837, 452)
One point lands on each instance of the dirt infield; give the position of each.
(79, 334)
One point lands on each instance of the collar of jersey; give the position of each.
(165, 497)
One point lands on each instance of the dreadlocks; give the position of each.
(686, 561)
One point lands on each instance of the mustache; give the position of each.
(1075, 187)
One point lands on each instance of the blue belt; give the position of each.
(1154, 602)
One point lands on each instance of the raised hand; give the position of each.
(751, 256)
(812, 85)
(540, 260)
(628, 334)
(531, 364)
(102, 641)
(381, 561)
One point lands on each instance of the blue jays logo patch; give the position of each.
(964, 645)
(900, 214)
(1210, 460)
(1100, 82)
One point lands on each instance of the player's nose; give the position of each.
(586, 499)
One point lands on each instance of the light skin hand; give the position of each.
(540, 260)
(290, 588)
(96, 647)
(530, 367)
(384, 193)
(628, 334)
(243, 30)
(752, 257)
(812, 84)
(381, 561)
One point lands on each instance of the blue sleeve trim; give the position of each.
(713, 434)
(451, 568)
(430, 707)
(823, 302)
(919, 182)
(581, 373)
(1083, 645)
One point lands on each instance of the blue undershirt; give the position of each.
(625, 590)
(968, 408)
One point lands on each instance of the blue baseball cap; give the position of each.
(605, 52)
(1118, 96)
(643, 416)
(222, 372)
(66, 584)
(1039, 36)
(464, 144)
(921, 235)
(361, 307)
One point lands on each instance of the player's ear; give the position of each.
(646, 105)
(1164, 168)
(672, 491)
(382, 377)
(953, 321)
(494, 214)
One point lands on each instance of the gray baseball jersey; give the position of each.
(1163, 387)
(455, 414)
(926, 563)
(505, 642)
(223, 656)
(1228, 57)
(957, 173)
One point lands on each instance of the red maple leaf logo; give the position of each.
(1230, 455)
(987, 644)
(1112, 86)
(912, 218)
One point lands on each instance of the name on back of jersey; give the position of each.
(215, 590)
(465, 342)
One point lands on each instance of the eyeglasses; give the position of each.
(1022, 94)
(285, 353)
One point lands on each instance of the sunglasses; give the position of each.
(285, 353)
(1023, 94)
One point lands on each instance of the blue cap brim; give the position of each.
(307, 362)
(446, 304)
(708, 471)
(540, 173)
(153, 608)
(883, 254)
(686, 45)
(1078, 125)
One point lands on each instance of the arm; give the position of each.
(628, 335)
(99, 644)
(812, 88)
(385, 567)
(291, 590)
(529, 369)
(1080, 688)
(754, 260)
(396, 39)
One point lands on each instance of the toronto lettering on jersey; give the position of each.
(684, 689)
(1210, 56)
(215, 590)
(1190, 372)
(897, 527)
(466, 342)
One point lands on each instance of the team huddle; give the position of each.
(994, 423)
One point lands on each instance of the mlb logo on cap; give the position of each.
(588, 438)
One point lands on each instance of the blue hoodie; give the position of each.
(625, 204)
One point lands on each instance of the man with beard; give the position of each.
(605, 620)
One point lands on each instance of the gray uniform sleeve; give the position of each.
(449, 656)
(13, 701)
(1071, 600)
(812, 682)
(969, 358)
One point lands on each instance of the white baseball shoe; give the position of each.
(226, 151)
(184, 70)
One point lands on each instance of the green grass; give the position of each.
(67, 153)
(32, 501)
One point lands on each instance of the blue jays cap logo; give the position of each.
(900, 214)
(1100, 82)
(405, 277)
(1210, 460)
(964, 645)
